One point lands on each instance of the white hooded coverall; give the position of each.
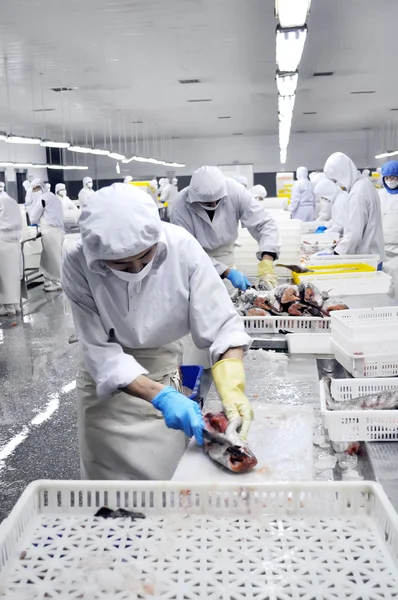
(51, 221)
(127, 329)
(363, 229)
(86, 192)
(10, 250)
(218, 236)
(336, 201)
(70, 211)
(302, 204)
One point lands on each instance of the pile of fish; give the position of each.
(287, 300)
(224, 445)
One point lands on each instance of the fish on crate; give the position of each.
(233, 453)
(386, 400)
(297, 309)
(333, 304)
(310, 294)
(286, 293)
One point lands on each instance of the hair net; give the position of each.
(302, 173)
(258, 191)
(208, 184)
(378, 170)
(340, 168)
(174, 181)
(26, 185)
(389, 169)
(317, 176)
(326, 189)
(366, 172)
(37, 182)
(127, 179)
(241, 179)
(118, 222)
(60, 186)
(86, 180)
(2, 184)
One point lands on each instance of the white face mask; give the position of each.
(211, 208)
(392, 184)
(1, 190)
(61, 193)
(134, 277)
(90, 185)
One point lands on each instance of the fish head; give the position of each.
(238, 459)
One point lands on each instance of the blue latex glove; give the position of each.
(180, 412)
(321, 229)
(238, 280)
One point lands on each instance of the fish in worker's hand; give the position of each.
(234, 454)
(387, 400)
(295, 268)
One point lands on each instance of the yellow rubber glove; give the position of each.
(266, 273)
(229, 379)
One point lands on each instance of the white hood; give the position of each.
(117, 222)
(326, 189)
(258, 191)
(208, 184)
(341, 169)
(302, 173)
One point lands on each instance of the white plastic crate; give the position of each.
(367, 365)
(201, 541)
(359, 425)
(307, 343)
(273, 324)
(367, 259)
(350, 284)
(366, 329)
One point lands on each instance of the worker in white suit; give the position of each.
(86, 191)
(389, 212)
(242, 180)
(363, 229)
(302, 204)
(258, 192)
(211, 208)
(70, 211)
(336, 201)
(169, 193)
(136, 287)
(128, 179)
(10, 256)
(46, 211)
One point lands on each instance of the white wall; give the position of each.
(21, 153)
(309, 149)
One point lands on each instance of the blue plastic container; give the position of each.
(191, 376)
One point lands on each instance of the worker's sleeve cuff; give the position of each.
(274, 253)
(232, 340)
(118, 375)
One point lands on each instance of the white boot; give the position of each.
(3, 311)
(11, 312)
(17, 309)
(47, 283)
(54, 286)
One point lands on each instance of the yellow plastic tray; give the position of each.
(334, 269)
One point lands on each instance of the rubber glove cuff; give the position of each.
(180, 412)
(229, 379)
(238, 280)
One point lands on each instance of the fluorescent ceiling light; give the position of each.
(75, 168)
(116, 156)
(128, 160)
(292, 13)
(117, 168)
(175, 164)
(6, 164)
(55, 167)
(100, 152)
(286, 106)
(283, 155)
(286, 83)
(3, 136)
(50, 144)
(19, 139)
(80, 149)
(387, 154)
(22, 165)
(289, 48)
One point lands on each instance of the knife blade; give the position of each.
(216, 438)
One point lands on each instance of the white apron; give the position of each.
(50, 261)
(125, 437)
(10, 267)
(192, 354)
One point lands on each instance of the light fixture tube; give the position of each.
(19, 139)
(51, 144)
(292, 13)
(289, 47)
